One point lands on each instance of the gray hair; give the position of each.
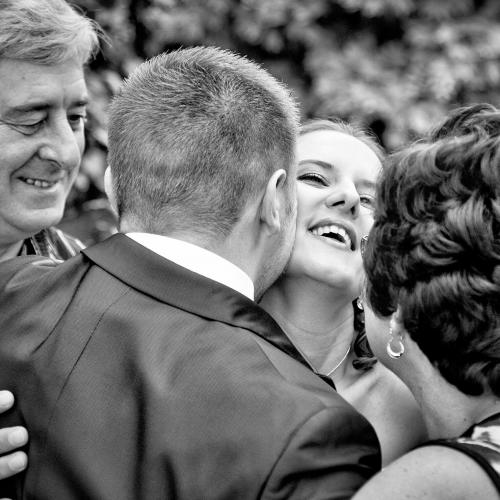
(193, 135)
(46, 32)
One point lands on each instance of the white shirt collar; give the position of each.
(198, 260)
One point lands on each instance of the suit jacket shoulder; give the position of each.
(138, 379)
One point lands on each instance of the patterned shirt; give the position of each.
(481, 443)
(52, 243)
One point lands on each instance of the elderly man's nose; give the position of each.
(61, 146)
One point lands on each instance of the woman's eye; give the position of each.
(367, 201)
(313, 178)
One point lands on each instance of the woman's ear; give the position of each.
(271, 210)
(397, 319)
(396, 322)
(396, 338)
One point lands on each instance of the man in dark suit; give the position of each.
(143, 368)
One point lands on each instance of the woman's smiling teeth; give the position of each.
(335, 232)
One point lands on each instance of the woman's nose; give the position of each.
(344, 197)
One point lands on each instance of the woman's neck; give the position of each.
(447, 411)
(452, 416)
(318, 320)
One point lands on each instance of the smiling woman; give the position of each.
(315, 300)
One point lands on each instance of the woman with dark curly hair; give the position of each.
(315, 300)
(433, 281)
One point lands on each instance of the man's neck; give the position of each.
(198, 259)
(234, 248)
(10, 250)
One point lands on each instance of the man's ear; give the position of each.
(271, 209)
(108, 188)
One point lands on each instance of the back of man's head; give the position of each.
(45, 32)
(193, 136)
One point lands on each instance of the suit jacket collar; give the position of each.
(168, 282)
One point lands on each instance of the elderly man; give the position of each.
(43, 47)
(143, 368)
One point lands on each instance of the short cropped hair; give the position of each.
(46, 32)
(193, 135)
(434, 252)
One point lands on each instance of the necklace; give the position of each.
(290, 329)
(341, 361)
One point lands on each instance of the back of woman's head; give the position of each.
(482, 119)
(434, 252)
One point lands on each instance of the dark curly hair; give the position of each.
(434, 249)
(482, 119)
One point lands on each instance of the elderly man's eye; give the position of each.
(27, 128)
(77, 120)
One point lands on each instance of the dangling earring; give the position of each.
(395, 347)
(359, 304)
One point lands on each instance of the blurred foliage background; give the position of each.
(395, 66)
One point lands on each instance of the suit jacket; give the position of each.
(138, 379)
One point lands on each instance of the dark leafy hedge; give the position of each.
(396, 66)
